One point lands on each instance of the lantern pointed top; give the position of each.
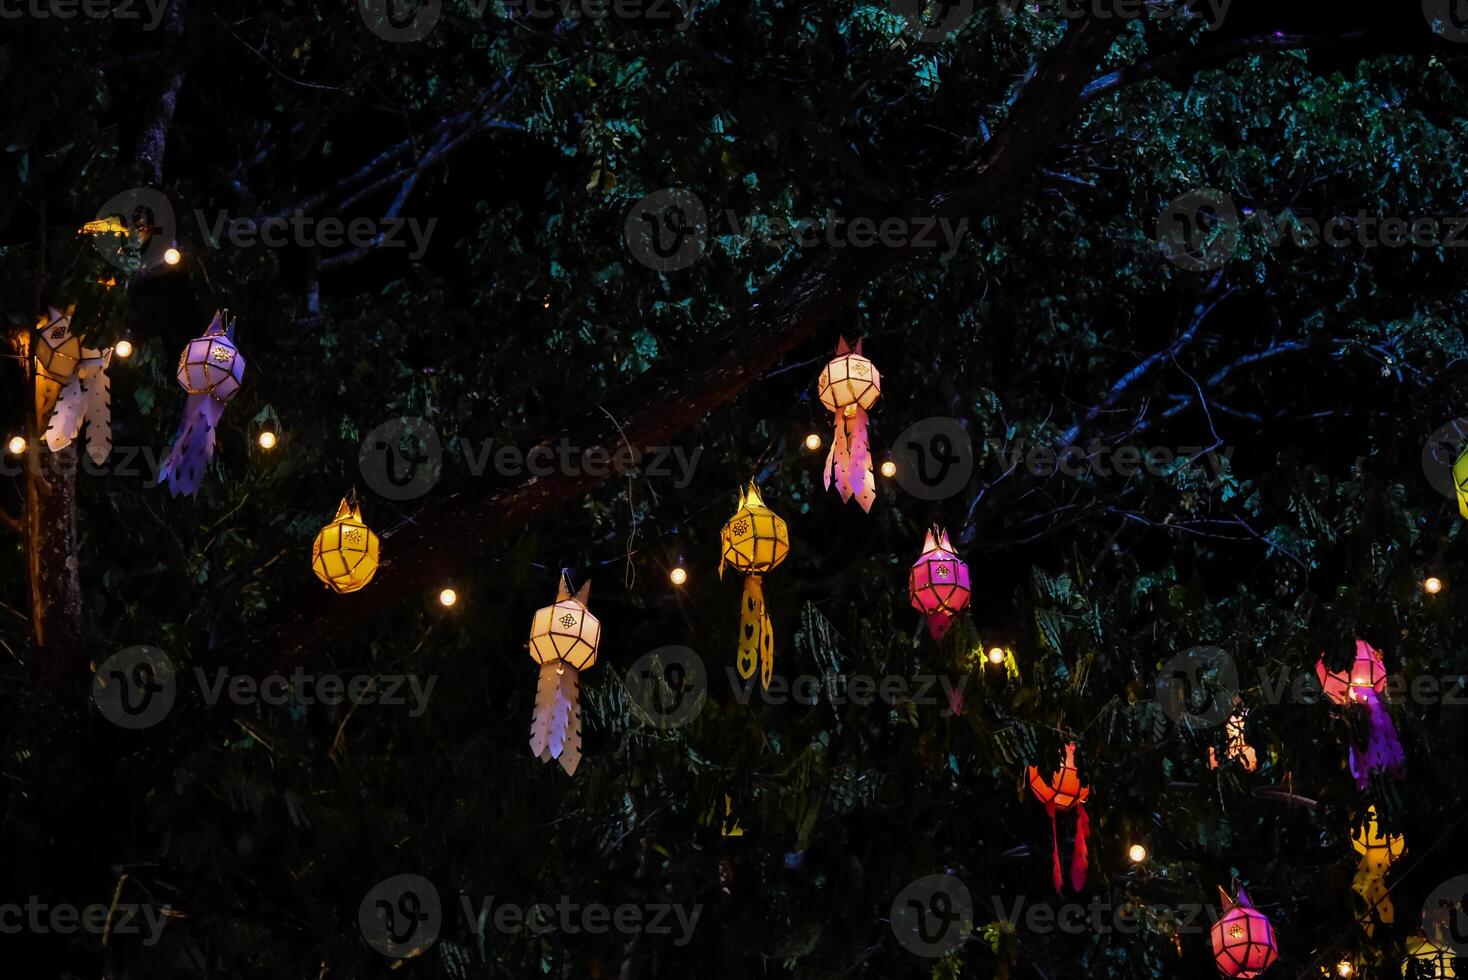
(750, 497)
(930, 543)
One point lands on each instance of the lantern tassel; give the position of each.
(1383, 751)
(849, 463)
(183, 470)
(939, 622)
(1081, 855)
(1054, 851)
(756, 634)
(555, 728)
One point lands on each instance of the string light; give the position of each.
(16, 445)
(267, 440)
(996, 655)
(124, 349)
(1344, 968)
(889, 469)
(173, 256)
(678, 575)
(1433, 585)
(813, 442)
(1136, 853)
(447, 598)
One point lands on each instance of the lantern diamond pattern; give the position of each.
(1243, 938)
(938, 583)
(754, 541)
(848, 386)
(58, 353)
(345, 553)
(563, 640)
(1063, 791)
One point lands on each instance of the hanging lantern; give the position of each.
(848, 386)
(57, 355)
(1460, 481)
(1426, 960)
(211, 370)
(563, 640)
(1243, 939)
(345, 553)
(1063, 792)
(938, 583)
(1236, 747)
(1363, 686)
(1378, 853)
(753, 542)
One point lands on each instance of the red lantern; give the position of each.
(938, 583)
(1063, 791)
(1243, 939)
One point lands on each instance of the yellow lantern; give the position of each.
(754, 541)
(345, 553)
(563, 640)
(1378, 853)
(1426, 960)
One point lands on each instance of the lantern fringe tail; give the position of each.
(756, 634)
(1081, 855)
(849, 462)
(1055, 876)
(183, 470)
(555, 728)
(939, 623)
(1383, 751)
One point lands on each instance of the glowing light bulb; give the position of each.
(124, 349)
(172, 256)
(16, 445)
(812, 442)
(678, 575)
(1344, 968)
(1433, 585)
(889, 469)
(267, 439)
(1137, 853)
(448, 597)
(996, 655)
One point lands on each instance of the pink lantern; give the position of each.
(1243, 938)
(938, 583)
(1368, 673)
(1363, 686)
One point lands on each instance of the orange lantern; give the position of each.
(754, 541)
(1243, 938)
(1063, 791)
